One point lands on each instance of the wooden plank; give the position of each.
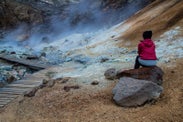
(5, 101)
(8, 95)
(12, 92)
(20, 86)
(30, 63)
(14, 89)
(2, 105)
(7, 98)
(27, 81)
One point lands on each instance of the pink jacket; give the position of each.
(146, 50)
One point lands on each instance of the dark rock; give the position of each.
(48, 83)
(63, 80)
(81, 59)
(51, 83)
(68, 88)
(43, 54)
(13, 52)
(104, 59)
(154, 74)
(131, 92)
(31, 93)
(45, 81)
(110, 74)
(1, 84)
(32, 57)
(95, 83)
(10, 79)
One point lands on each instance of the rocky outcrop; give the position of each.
(130, 92)
(154, 74)
(136, 86)
(13, 13)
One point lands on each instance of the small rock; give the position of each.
(172, 71)
(104, 59)
(51, 83)
(45, 81)
(10, 79)
(68, 88)
(43, 54)
(1, 84)
(13, 52)
(31, 93)
(81, 59)
(32, 57)
(110, 74)
(95, 83)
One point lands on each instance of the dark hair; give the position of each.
(147, 34)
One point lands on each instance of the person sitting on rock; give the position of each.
(146, 52)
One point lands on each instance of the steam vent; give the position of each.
(74, 60)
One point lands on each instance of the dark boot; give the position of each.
(137, 64)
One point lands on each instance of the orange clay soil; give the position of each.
(159, 17)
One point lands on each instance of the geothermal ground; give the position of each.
(90, 56)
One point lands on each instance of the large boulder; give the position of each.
(154, 74)
(130, 92)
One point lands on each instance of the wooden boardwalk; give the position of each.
(33, 64)
(17, 88)
(11, 91)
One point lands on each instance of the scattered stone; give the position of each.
(95, 83)
(172, 71)
(65, 80)
(154, 74)
(13, 52)
(110, 74)
(68, 88)
(130, 92)
(45, 81)
(68, 59)
(31, 93)
(1, 84)
(32, 57)
(81, 59)
(43, 54)
(104, 59)
(45, 39)
(51, 83)
(10, 79)
(48, 83)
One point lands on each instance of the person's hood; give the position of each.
(148, 42)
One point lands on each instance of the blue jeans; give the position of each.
(144, 63)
